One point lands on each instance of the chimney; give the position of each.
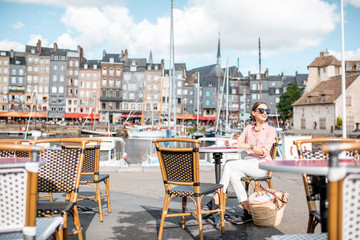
(162, 64)
(55, 47)
(38, 46)
(81, 53)
(12, 54)
(126, 54)
(104, 53)
(267, 73)
(122, 54)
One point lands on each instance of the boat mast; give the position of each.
(218, 85)
(198, 103)
(227, 97)
(260, 68)
(238, 74)
(343, 86)
(172, 67)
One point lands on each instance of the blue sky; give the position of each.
(292, 32)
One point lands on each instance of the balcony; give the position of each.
(110, 99)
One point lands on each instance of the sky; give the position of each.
(292, 32)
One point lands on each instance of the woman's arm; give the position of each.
(266, 147)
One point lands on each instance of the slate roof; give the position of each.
(115, 56)
(90, 64)
(139, 62)
(330, 88)
(212, 71)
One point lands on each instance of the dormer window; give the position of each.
(358, 67)
(210, 84)
(309, 100)
(323, 98)
(149, 67)
(85, 66)
(156, 67)
(348, 67)
(111, 60)
(133, 62)
(33, 50)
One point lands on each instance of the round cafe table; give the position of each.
(217, 156)
(310, 167)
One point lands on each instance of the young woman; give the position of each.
(258, 139)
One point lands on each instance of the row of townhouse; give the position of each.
(57, 84)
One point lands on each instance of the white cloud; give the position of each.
(355, 3)
(34, 38)
(7, 45)
(284, 26)
(18, 25)
(349, 55)
(67, 3)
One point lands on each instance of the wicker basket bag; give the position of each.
(267, 207)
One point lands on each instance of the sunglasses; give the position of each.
(262, 110)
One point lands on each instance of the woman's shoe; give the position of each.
(244, 218)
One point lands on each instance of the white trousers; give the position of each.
(235, 169)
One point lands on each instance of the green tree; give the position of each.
(292, 94)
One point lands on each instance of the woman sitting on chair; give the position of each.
(258, 139)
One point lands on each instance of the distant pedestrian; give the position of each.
(315, 124)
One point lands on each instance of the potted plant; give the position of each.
(338, 123)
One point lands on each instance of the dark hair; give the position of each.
(254, 107)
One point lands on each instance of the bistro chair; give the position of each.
(18, 196)
(61, 174)
(90, 173)
(256, 181)
(343, 195)
(312, 184)
(179, 163)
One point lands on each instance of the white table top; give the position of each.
(221, 149)
(308, 166)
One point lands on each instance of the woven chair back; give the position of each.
(351, 207)
(178, 166)
(60, 171)
(274, 147)
(18, 192)
(12, 153)
(13, 185)
(89, 160)
(179, 162)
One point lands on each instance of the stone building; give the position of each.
(321, 103)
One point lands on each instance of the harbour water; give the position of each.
(136, 149)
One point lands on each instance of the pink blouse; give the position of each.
(264, 139)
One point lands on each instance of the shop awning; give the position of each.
(203, 118)
(24, 114)
(81, 115)
(185, 116)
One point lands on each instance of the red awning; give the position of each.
(201, 117)
(81, 115)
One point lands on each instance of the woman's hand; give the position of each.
(236, 144)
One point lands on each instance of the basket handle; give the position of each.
(284, 199)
